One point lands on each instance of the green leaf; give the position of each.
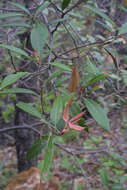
(118, 158)
(65, 4)
(61, 66)
(104, 177)
(98, 113)
(41, 8)
(48, 156)
(116, 77)
(37, 147)
(104, 25)
(96, 79)
(58, 20)
(91, 67)
(12, 78)
(57, 110)
(123, 29)
(123, 9)
(124, 76)
(19, 24)
(117, 187)
(17, 90)
(29, 109)
(55, 74)
(20, 7)
(40, 165)
(39, 36)
(61, 80)
(8, 15)
(15, 49)
(100, 13)
(44, 121)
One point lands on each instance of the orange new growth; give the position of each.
(71, 124)
(36, 57)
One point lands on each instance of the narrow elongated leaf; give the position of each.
(104, 177)
(104, 25)
(123, 9)
(15, 49)
(18, 24)
(20, 7)
(57, 20)
(124, 76)
(29, 109)
(41, 8)
(97, 113)
(37, 147)
(44, 121)
(65, 4)
(73, 85)
(17, 90)
(57, 110)
(12, 78)
(61, 80)
(54, 75)
(61, 66)
(118, 158)
(39, 36)
(96, 79)
(8, 15)
(123, 29)
(48, 156)
(117, 186)
(100, 13)
(91, 67)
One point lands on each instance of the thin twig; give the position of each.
(22, 127)
(50, 50)
(64, 13)
(82, 171)
(75, 31)
(12, 62)
(98, 43)
(11, 58)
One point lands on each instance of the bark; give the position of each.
(25, 138)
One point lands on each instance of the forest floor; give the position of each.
(68, 173)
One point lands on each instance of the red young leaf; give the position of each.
(77, 116)
(75, 127)
(36, 57)
(70, 124)
(66, 113)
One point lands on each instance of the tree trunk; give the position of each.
(24, 138)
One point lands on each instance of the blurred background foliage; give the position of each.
(89, 35)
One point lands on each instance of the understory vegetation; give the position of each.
(63, 91)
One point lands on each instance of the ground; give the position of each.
(64, 167)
